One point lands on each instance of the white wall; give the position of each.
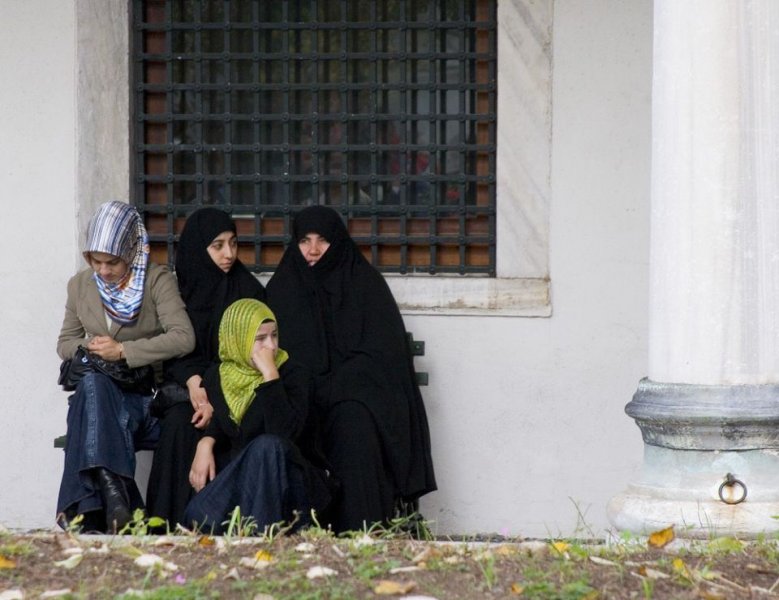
(38, 245)
(526, 414)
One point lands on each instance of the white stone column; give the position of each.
(710, 404)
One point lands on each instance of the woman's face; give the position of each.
(108, 267)
(267, 337)
(313, 247)
(223, 250)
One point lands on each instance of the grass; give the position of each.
(317, 565)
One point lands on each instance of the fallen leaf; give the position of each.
(680, 568)
(56, 593)
(411, 569)
(506, 550)
(233, 574)
(205, 541)
(644, 571)
(320, 571)
(152, 560)
(71, 562)
(426, 555)
(305, 547)
(131, 551)
(386, 587)
(148, 560)
(164, 540)
(253, 563)
(7, 563)
(263, 555)
(603, 561)
(561, 547)
(661, 538)
(72, 551)
(517, 589)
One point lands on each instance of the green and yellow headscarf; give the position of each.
(237, 331)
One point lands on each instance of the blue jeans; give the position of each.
(106, 426)
(266, 479)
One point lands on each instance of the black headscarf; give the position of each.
(206, 289)
(340, 319)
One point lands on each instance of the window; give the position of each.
(385, 111)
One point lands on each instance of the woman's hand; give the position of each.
(202, 416)
(105, 347)
(200, 404)
(203, 467)
(264, 361)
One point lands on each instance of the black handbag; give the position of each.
(138, 380)
(168, 394)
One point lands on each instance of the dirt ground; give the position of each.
(317, 565)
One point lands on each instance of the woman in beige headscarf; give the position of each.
(121, 308)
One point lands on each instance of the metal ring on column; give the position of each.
(732, 482)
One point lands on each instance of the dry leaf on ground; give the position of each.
(386, 587)
(661, 538)
(319, 571)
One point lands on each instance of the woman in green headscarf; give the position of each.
(260, 451)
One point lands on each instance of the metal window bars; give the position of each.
(385, 111)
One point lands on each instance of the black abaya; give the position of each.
(207, 291)
(340, 319)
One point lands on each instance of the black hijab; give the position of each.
(206, 289)
(340, 319)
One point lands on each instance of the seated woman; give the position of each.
(210, 278)
(337, 316)
(123, 307)
(259, 452)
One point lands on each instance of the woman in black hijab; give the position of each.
(337, 315)
(210, 278)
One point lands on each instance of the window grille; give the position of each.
(385, 111)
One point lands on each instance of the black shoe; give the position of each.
(115, 499)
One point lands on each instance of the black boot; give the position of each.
(115, 499)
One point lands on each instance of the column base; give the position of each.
(691, 447)
(682, 488)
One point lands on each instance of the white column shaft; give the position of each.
(714, 306)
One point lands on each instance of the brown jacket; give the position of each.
(163, 329)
